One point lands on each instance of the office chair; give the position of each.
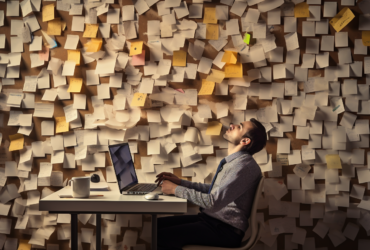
(254, 225)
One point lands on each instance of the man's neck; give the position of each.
(232, 148)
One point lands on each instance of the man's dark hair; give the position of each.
(258, 137)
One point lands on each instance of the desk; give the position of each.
(111, 203)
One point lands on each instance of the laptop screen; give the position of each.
(123, 165)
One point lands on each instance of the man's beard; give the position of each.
(230, 141)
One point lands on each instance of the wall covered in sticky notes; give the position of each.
(168, 77)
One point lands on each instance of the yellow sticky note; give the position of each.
(210, 15)
(16, 142)
(48, 12)
(233, 70)
(333, 161)
(54, 28)
(23, 245)
(230, 57)
(75, 85)
(207, 88)
(179, 58)
(94, 45)
(91, 30)
(214, 128)
(216, 76)
(138, 99)
(212, 31)
(342, 19)
(74, 55)
(136, 48)
(301, 10)
(61, 125)
(366, 37)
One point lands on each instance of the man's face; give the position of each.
(236, 131)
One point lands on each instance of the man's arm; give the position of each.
(203, 188)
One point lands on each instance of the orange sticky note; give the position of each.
(214, 128)
(91, 30)
(94, 45)
(54, 28)
(210, 15)
(48, 12)
(342, 19)
(139, 99)
(16, 142)
(61, 124)
(74, 55)
(212, 31)
(233, 70)
(366, 37)
(333, 161)
(23, 245)
(301, 10)
(136, 48)
(207, 88)
(230, 57)
(75, 85)
(179, 58)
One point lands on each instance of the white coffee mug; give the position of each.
(80, 186)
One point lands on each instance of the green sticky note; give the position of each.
(247, 38)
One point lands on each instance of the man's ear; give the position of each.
(245, 141)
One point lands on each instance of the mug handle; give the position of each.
(69, 182)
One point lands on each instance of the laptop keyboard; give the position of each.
(144, 187)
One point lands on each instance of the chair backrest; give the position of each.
(253, 220)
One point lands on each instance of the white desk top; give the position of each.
(112, 202)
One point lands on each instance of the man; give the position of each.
(225, 205)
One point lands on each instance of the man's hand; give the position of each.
(168, 187)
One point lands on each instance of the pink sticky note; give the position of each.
(138, 60)
(44, 53)
(180, 90)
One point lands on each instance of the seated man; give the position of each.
(225, 204)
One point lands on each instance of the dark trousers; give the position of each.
(174, 232)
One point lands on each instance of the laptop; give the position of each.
(125, 172)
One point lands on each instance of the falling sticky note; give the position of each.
(23, 245)
(136, 48)
(52, 43)
(214, 128)
(91, 30)
(138, 99)
(179, 58)
(210, 15)
(342, 19)
(333, 161)
(16, 142)
(94, 45)
(301, 10)
(48, 12)
(216, 76)
(61, 124)
(138, 60)
(75, 85)
(230, 57)
(247, 38)
(234, 70)
(74, 55)
(207, 88)
(366, 37)
(212, 31)
(54, 28)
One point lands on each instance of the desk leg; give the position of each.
(98, 232)
(74, 232)
(154, 231)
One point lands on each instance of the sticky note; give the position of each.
(210, 15)
(94, 45)
(207, 88)
(50, 41)
(75, 85)
(23, 245)
(54, 28)
(138, 99)
(212, 31)
(44, 53)
(74, 55)
(301, 10)
(138, 60)
(48, 12)
(16, 142)
(247, 38)
(61, 124)
(233, 70)
(214, 128)
(216, 76)
(91, 30)
(230, 57)
(136, 48)
(333, 161)
(366, 37)
(342, 19)
(179, 58)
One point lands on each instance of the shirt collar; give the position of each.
(235, 155)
